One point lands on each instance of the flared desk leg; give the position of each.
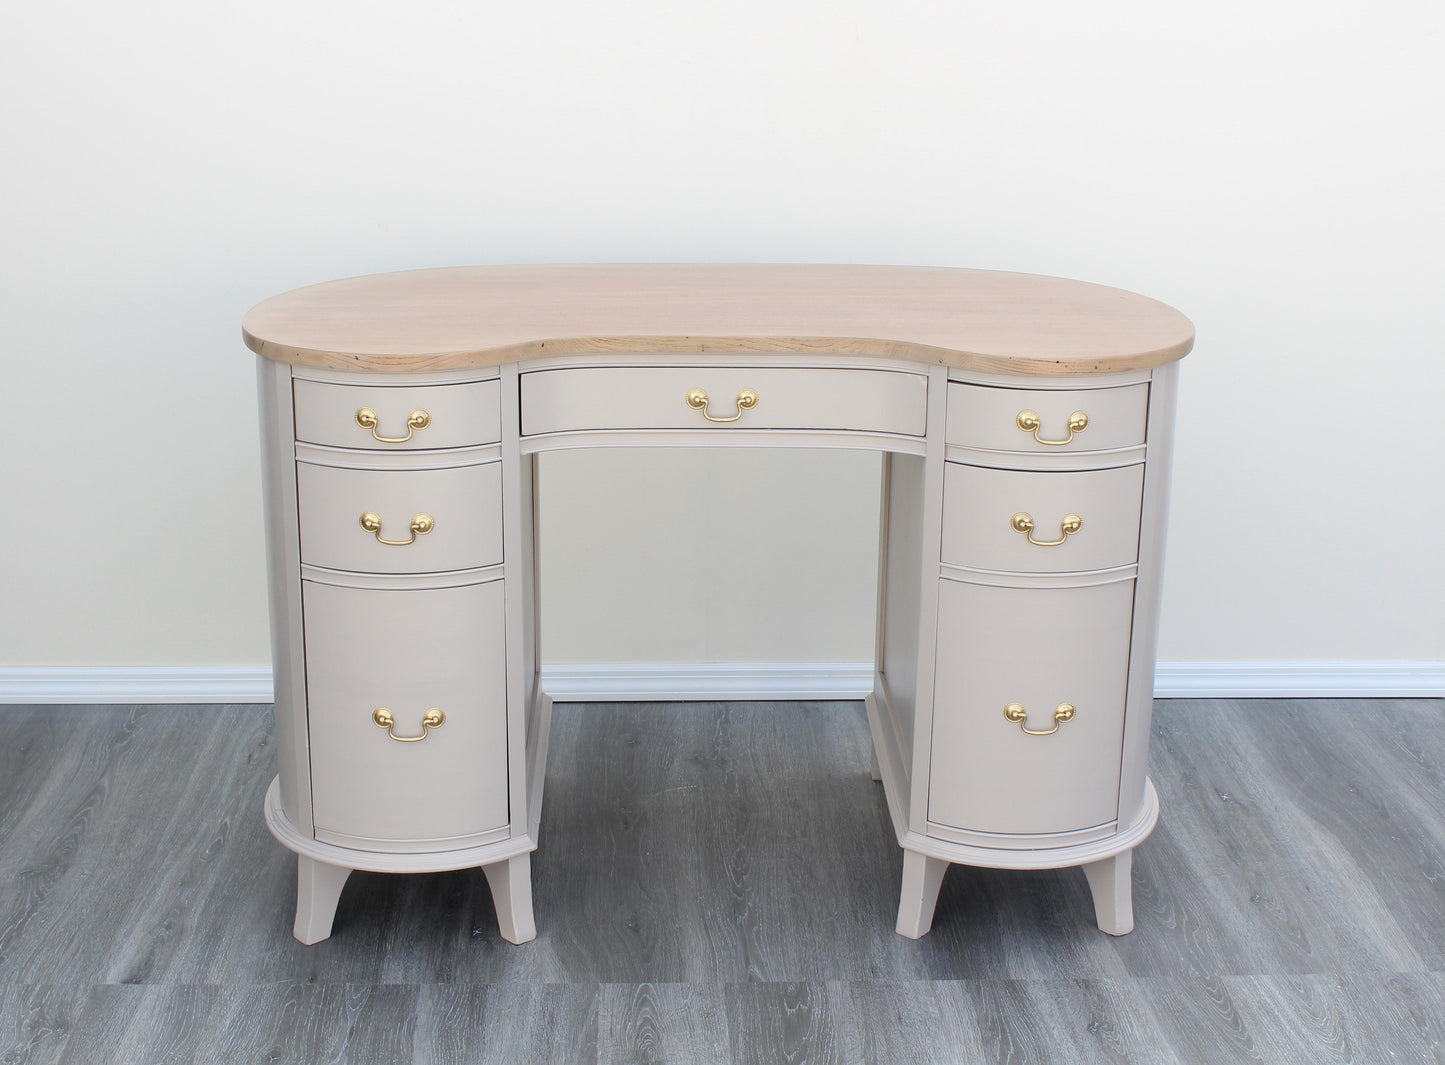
(1113, 893)
(922, 877)
(318, 889)
(511, 884)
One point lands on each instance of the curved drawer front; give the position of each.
(875, 401)
(986, 417)
(980, 504)
(411, 418)
(1039, 648)
(464, 505)
(407, 652)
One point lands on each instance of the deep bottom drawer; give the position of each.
(407, 652)
(1038, 648)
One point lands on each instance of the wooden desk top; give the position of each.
(447, 319)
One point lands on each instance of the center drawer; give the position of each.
(407, 652)
(400, 521)
(713, 397)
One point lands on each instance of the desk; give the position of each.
(1025, 425)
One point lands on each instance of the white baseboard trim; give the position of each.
(853, 680)
(1299, 680)
(724, 682)
(135, 684)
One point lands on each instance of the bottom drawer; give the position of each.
(407, 652)
(1038, 648)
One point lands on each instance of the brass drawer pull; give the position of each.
(1028, 421)
(417, 419)
(697, 400)
(1015, 712)
(1023, 523)
(433, 718)
(420, 526)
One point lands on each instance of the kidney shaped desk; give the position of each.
(1025, 425)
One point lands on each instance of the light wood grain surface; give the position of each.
(718, 883)
(433, 320)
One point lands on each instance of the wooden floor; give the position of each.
(718, 882)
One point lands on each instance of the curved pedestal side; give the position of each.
(1106, 862)
(323, 869)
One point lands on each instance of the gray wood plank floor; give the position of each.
(718, 882)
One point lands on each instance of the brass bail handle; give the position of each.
(697, 400)
(1016, 713)
(381, 717)
(1028, 421)
(420, 526)
(1023, 523)
(417, 419)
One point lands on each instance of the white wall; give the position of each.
(709, 555)
(1273, 170)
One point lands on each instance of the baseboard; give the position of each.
(135, 684)
(725, 681)
(1299, 680)
(853, 680)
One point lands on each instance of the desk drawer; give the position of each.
(995, 418)
(463, 504)
(398, 418)
(980, 506)
(1039, 648)
(875, 401)
(407, 652)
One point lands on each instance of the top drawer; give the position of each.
(713, 397)
(398, 418)
(1046, 421)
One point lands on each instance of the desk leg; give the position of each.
(511, 884)
(1113, 893)
(318, 889)
(873, 770)
(922, 877)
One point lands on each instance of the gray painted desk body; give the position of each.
(1024, 427)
